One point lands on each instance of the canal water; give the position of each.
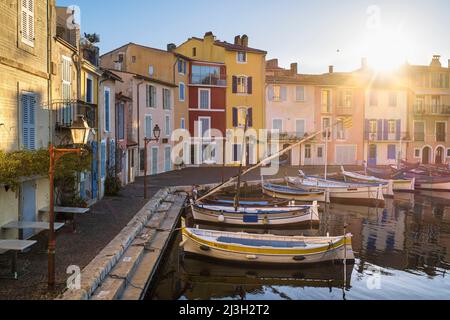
(402, 252)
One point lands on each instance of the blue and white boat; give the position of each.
(293, 194)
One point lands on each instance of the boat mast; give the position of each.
(243, 156)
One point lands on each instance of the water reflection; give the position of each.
(402, 252)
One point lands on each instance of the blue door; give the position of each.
(28, 206)
(372, 158)
(94, 168)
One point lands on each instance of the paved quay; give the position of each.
(97, 229)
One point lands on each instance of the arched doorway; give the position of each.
(439, 155)
(426, 155)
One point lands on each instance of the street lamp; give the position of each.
(156, 135)
(80, 133)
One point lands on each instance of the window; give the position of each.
(440, 131)
(151, 70)
(392, 152)
(29, 121)
(346, 98)
(393, 99)
(320, 152)
(373, 98)
(207, 75)
(121, 121)
(417, 153)
(300, 93)
(326, 101)
(204, 127)
(167, 105)
(277, 124)
(392, 126)
(204, 101)
(27, 22)
(181, 66)
(148, 126)
(308, 152)
(419, 131)
(448, 153)
(107, 95)
(133, 59)
(279, 93)
(300, 128)
(167, 126)
(439, 80)
(151, 96)
(326, 124)
(181, 91)
(340, 130)
(241, 84)
(89, 90)
(373, 126)
(242, 117)
(241, 56)
(194, 52)
(182, 123)
(237, 153)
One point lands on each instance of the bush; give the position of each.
(113, 184)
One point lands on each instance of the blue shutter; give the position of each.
(380, 130)
(399, 129)
(107, 109)
(94, 176)
(386, 130)
(103, 160)
(367, 130)
(250, 117)
(148, 126)
(112, 153)
(392, 151)
(235, 117)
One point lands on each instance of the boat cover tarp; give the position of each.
(262, 243)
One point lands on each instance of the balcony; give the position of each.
(391, 137)
(288, 137)
(66, 112)
(208, 80)
(433, 110)
(344, 111)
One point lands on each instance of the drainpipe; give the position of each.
(138, 124)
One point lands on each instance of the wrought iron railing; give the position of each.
(66, 112)
(427, 109)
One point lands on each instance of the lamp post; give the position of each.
(80, 134)
(156, 135)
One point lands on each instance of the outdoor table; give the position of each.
(31, 225)
(72, 212)
(15, 246)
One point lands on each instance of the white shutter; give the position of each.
(27, 16)
(29, 121)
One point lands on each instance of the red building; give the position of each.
(207, 105)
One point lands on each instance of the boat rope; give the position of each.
(262, 163)
(127, 281)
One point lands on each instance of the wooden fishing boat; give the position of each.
(246, 202)
(294, 194)
(267, 217)
(431, 183)
(341, 192)
(404, 185)
(267, 249)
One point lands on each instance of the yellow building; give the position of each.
(245, 67)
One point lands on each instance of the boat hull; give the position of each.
(370, 196)
(264, 255)
(307, 197)
(298, 217)
(397, 185)
(438, 186)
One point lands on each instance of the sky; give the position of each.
(315, 34)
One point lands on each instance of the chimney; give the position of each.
(237, 40)
(209, 36)
(436, 62)
(294, 68)
(244, 40)
(364, 64)
(331, 69)
(272, 63)
(171, 47)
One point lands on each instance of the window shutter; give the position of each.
(392, 152)
(380, 130)
(271, 93)
(25, 122)
(234, 84)
(235, 117)
(250, 85)
(367, 130)
(147, 96)
(103, 160)
(399, 129)
(27, 17)
(120, 121)
(107, 110)
(283, 93)
(386, 130)
(112, 153)
(250, 117)
(148, 126)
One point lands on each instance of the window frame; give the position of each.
(296, 93)
(107, 120)
(200, 98)
(244, 84)
(167, 100)
(245, 55)
(181, 99)
(167, 128)
(30, 14)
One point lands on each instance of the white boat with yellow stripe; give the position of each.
(285, 216)
(267, 249)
